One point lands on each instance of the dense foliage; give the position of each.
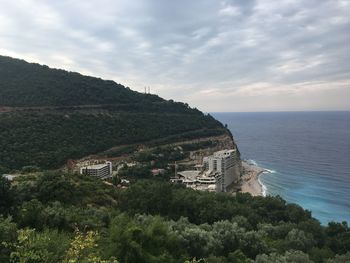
(28, 84)
(63, 217)
(60, 115)
(48, 140)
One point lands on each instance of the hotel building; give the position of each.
(227, 165)
(98, 170)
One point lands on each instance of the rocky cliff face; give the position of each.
(221, 142)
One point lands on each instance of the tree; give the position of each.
(30, 169)
(319, 255)
(340, 258)
(8, 236)
(238, 257)
(39, 247)
(6, 195)
(253, 243)
(83, 249)
(288, 257)
(146, 240)
(338, 237)
(30, 214)
(228, 234)
(299, 240)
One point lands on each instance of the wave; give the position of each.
(252, 162)
(266, 171)
(263, 187)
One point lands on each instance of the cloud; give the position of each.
(229, 10)
(210, 54)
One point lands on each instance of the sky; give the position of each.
(230, 55)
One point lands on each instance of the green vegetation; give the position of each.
(199, 145)
(77, 116)
(123, 150)
(25, 84)
(48, 140)
(57, 217)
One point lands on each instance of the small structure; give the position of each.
(102, 171)
(157, 172)
(9, 177)
(124, 181)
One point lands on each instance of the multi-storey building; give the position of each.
(98, 170)
(227, 165)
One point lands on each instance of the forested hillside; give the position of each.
(72, 218)
(52, 115)
(29, 84)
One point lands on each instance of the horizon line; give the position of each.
(283, 111)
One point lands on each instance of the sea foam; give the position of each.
(252, 162)
(264, 188)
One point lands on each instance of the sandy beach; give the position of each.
(250, 179)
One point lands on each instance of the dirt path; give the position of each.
(123, 157)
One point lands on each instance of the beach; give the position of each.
(250, 179)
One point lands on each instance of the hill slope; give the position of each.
(29, 84)
(52, 115)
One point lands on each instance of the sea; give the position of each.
(306, 154)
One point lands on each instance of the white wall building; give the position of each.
(227, 164)
(196, 180)
(98, 170)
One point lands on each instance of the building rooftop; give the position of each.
(191, 174)
(96, 166)
(197, 176)
(224, 153)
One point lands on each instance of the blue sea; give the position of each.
(307, 154)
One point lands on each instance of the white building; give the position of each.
(196, 180)
(227, 164)
(98, 170)
(9, 177)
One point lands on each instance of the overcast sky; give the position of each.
(243, 55)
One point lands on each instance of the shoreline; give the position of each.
(250, 182)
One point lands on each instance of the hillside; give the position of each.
(48, 116)
(155, 221)
(28, 84)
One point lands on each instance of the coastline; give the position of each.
(250, 182)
